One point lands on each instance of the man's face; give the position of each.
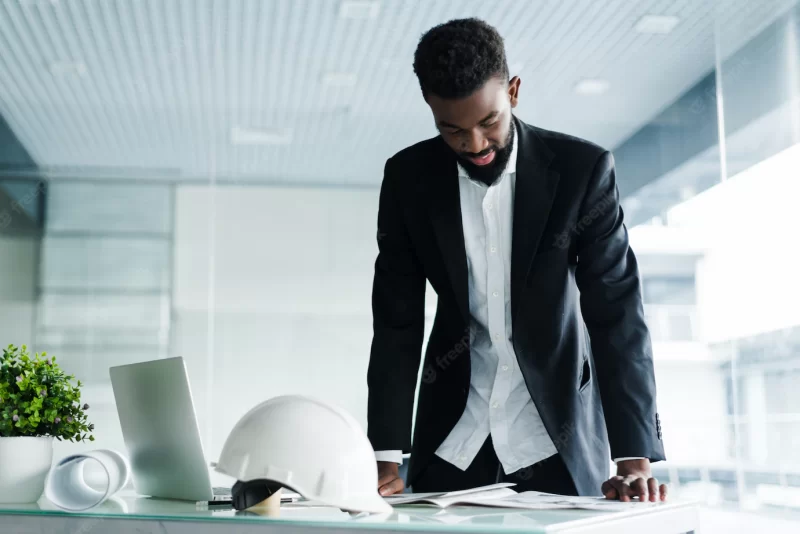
(479, 127)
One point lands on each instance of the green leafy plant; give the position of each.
(38, 399)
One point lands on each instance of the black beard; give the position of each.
(488, 174)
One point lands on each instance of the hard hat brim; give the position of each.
(373, 504)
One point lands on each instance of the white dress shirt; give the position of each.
(499, 403)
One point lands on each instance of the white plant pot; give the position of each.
(24, 464)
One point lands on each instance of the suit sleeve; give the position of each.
(611, 304)
(398, 311)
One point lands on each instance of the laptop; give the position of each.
(159, 426)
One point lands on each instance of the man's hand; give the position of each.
(634, 479)
(389, 481)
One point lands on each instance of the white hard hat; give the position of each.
(318, 450)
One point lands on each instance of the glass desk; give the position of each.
(132, 514)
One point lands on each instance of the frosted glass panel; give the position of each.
(86, 207)
(100, 262)
(18, 265)
(91, 365)
(103, 311)
(105, 337)
(26, 195)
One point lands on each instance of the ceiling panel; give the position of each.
(153, 88)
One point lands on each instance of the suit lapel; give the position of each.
(533, 197)
(445, 212)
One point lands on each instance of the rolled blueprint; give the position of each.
(69, 487)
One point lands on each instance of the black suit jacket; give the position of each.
(578, 325)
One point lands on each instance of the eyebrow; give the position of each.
(490, 116)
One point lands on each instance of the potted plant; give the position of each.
(38, 402)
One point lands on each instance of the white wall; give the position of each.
(748, 283)
(19, 263)
(291, 273)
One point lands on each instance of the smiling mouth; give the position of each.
(482, 160)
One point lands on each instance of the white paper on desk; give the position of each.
(445, 499)
(536, 500)
(67, 486)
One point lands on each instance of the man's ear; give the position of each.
(513, 90)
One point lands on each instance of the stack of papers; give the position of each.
(463, 497)
(537, 500)
(502, 496)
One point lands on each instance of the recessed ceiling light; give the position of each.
(592, 86)
(250, 136)
(359, 9)
(339, 79)
(67, 68)
(657, 24)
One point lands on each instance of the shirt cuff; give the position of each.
(389, 456)
(618, 460)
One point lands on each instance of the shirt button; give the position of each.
(505, 368)
(489, 206)
(495, 294)
(493, 249)
(495, 405)
(497, 337)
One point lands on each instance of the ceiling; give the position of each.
(155, 89)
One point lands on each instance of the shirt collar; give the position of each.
(511, 166)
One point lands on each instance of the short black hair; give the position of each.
(456, 58)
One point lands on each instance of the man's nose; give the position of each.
(475, 142)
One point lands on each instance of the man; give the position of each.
(539, 368)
